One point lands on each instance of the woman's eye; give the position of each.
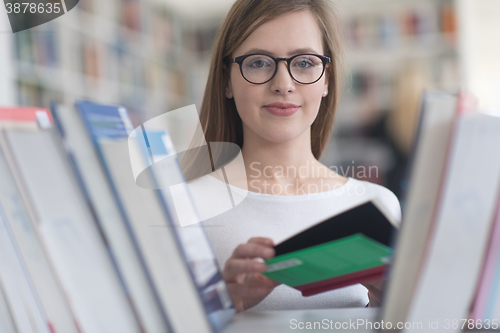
(304, 63)
(259, 64)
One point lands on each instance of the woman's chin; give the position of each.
(278, 133)
(283, 136)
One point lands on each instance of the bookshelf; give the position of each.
(121, 51)
(394, 49)
(153, 57)
(384, 37)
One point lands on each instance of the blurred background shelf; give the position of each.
(394, 50)
(120, 51)
(153, 56)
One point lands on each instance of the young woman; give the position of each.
(273, 88)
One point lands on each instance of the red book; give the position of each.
(25, 117)
(366, 275)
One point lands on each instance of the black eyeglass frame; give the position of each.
(239, 60)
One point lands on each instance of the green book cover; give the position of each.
(351, 247)
(328, 260)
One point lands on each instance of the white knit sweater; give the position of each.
(279, 217)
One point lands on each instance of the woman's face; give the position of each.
(262, 118)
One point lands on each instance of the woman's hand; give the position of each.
(242, 273)
(375, 290)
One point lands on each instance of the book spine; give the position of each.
(488, 290)
(367, 275)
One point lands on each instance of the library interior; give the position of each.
(103, 228)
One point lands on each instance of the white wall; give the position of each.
(479, 47)
(201, 9)
(7, 91)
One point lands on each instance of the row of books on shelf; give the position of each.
(97, 51)
(395, 26)
(39, 47)
(93, 65)
(92, 58)
(134, 15)
(82, 247)
(34, 93)
(163, 37)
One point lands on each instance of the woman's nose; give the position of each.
(282, 82)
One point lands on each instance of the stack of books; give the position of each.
(82, 247)
(445, 274)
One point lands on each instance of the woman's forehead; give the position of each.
(285, 35)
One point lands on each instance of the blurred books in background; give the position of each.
(150, 57)
(394, 50)
(141, 54)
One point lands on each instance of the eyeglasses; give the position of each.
(261, 68)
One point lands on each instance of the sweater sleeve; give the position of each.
(390, 201)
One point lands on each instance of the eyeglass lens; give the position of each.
(303, 68)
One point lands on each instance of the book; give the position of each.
(25, 117)
(428, 160)
(68, 231)
(155, 143)
(27, 313)
(6, 322)
(351, 247)
(31, 250)
(122, 249)
(180, 282)
(486, 306)
(467, 204)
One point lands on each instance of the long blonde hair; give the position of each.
(218, 115)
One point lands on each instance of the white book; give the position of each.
(190, 288)
(27, 313)
(429, 158)
(33, 253)
(165, 261)
(161, 162)
(80, 147)
(452, 266)
(69, 233)
(486, 307)
(6, 322)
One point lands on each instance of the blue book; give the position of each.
(179, 261)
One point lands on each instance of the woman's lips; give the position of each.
(281, 109)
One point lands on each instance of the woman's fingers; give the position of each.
(253, 250)
(242, 272)
(375, 290)
(252, 290)
(261, 240)
(243, 291)
(376, 287)
(245, 297)
(235, 267)
(243, 258)
(259, 280)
